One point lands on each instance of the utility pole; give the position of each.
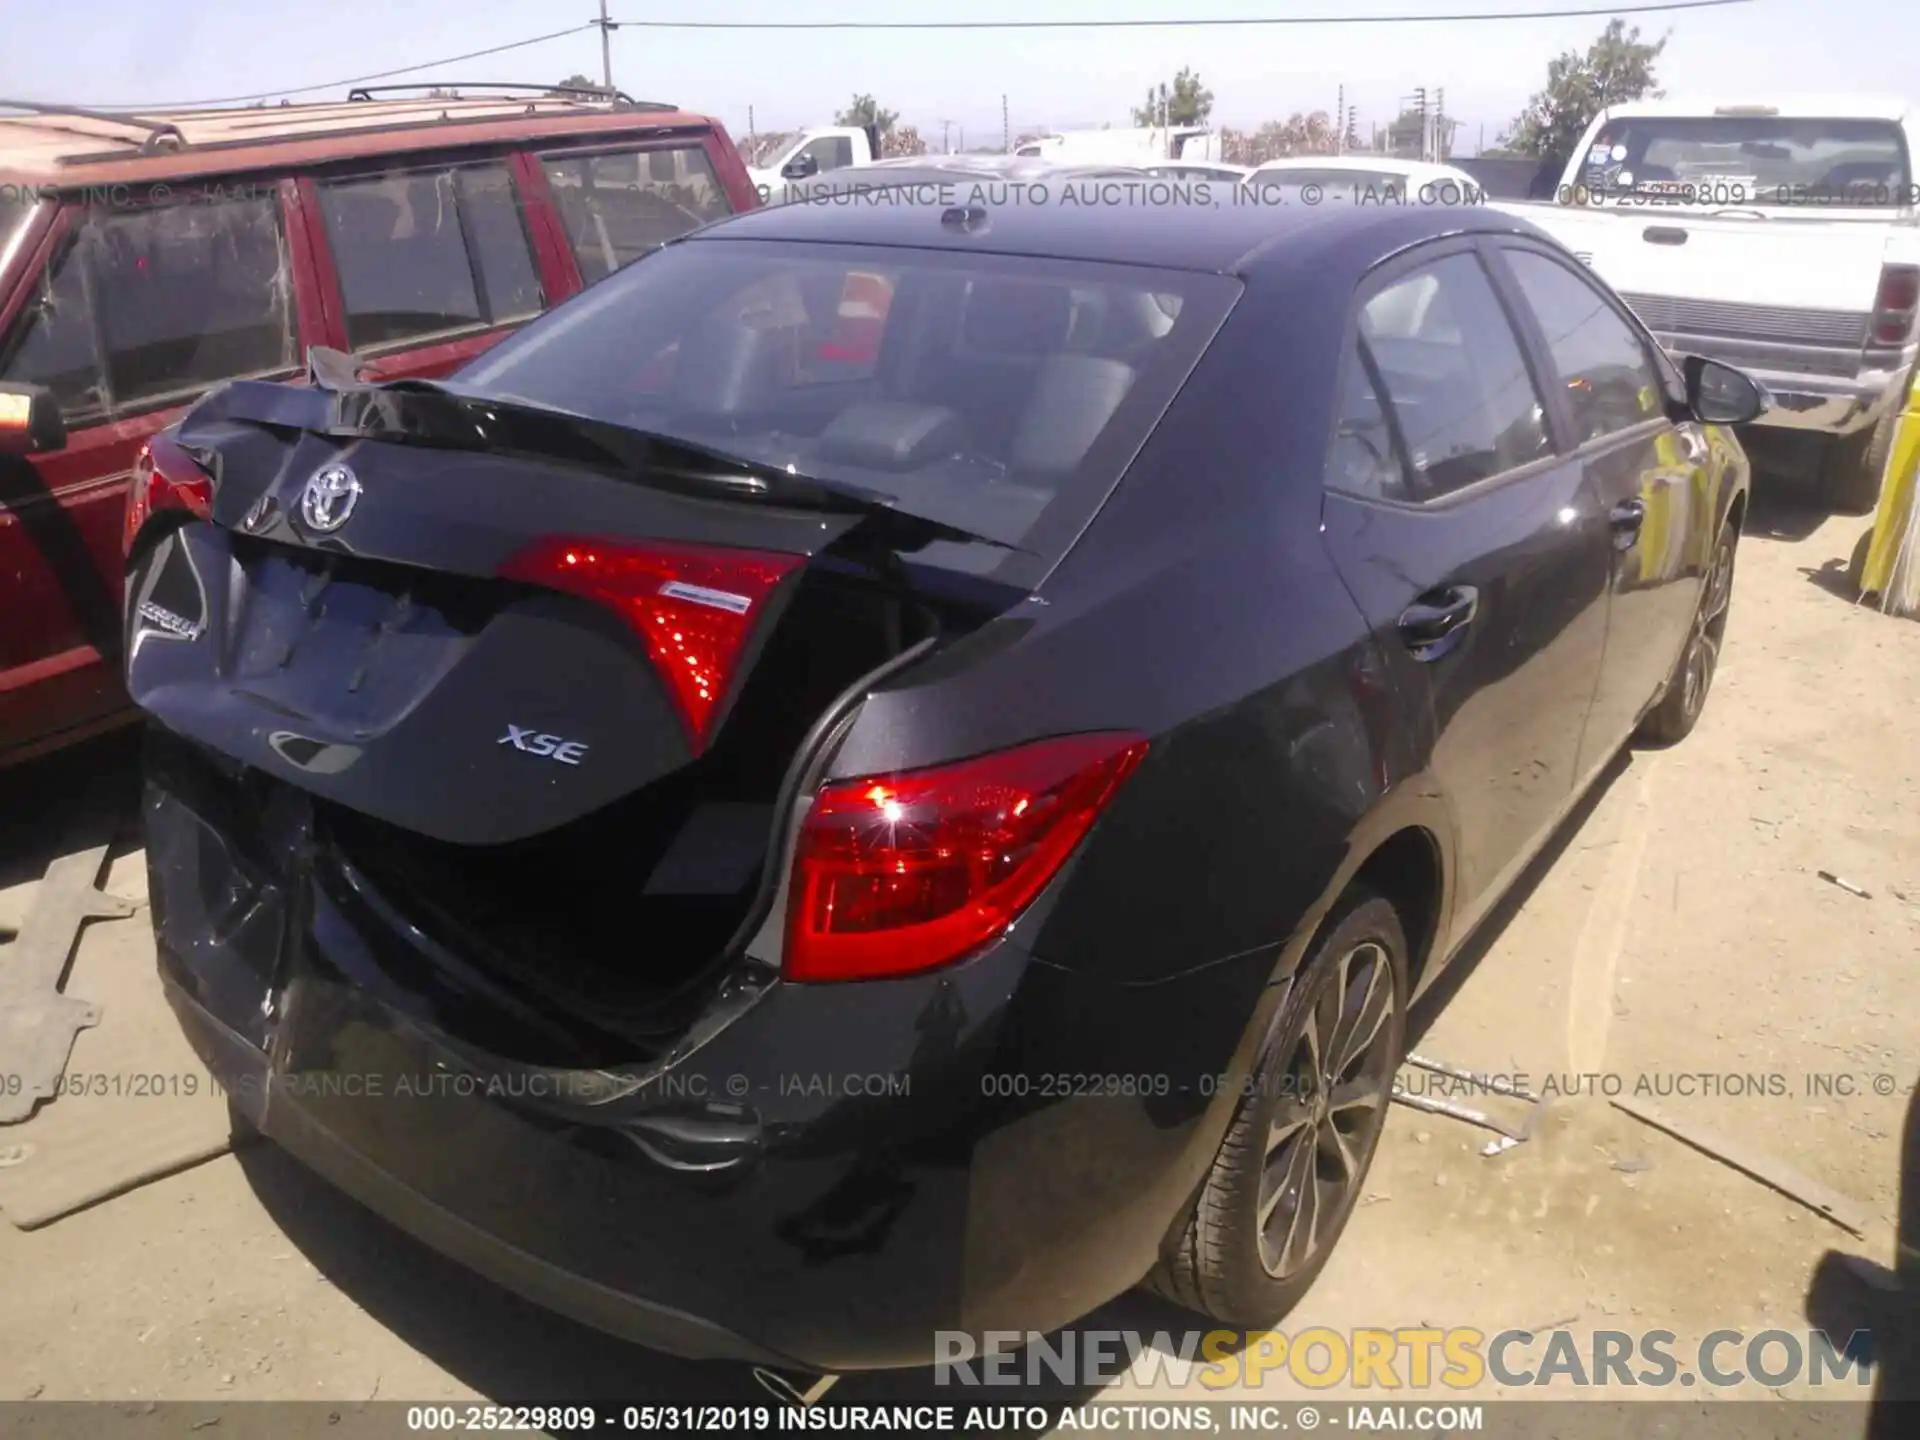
(1006, 130)
(606, 48)
(946, 136)
(1340, 123)
(749, 127)
(1419, 107)
(1442, 131)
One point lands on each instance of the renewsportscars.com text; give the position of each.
(1404, 1358)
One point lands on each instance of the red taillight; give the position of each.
(899, 873)
(1895, 303)
(694, 606)
(165, 477)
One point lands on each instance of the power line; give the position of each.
(1242, 21)
(1203, 23)
(358, 79)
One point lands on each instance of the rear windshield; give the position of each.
(1000, 394)
(1749, 160)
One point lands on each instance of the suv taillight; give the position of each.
(1895, 304)
(165, 477)
(895, 874)
(693, 606)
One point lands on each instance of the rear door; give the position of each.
(1471, 548)
(1648, 475)
(133, 311)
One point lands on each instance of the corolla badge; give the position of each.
(328, 501)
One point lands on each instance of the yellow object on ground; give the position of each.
(1892, 519)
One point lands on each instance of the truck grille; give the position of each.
(1782, 324)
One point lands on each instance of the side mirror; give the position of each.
(30, 421)
(1718, 394)
(801, 167)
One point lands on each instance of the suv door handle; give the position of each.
(1434, 623)
(1625, 520)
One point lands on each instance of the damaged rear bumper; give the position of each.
(819, 1177)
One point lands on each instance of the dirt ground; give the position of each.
(1677, 942)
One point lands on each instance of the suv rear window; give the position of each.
(619, 204)
(423, 253)
(1002, 394)
(1750, 159)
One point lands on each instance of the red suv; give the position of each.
(145, 259)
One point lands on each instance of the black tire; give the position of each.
(1223, 1267)
(1851, 470)
(1857, 564)
(1680, 707)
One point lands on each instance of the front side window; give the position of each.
(830, 152)
(1610, 380)
(428, 253)
(619, 205)
(54, 343)
(1455, 376)
(149, 307)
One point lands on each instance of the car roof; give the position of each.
(1369, 164)
(66, 147)
(1113, 221)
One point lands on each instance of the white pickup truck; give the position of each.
(815, 152)
(1777, 237)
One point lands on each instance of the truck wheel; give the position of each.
(1290, 1169)
(1857, 565)
(1850, 473)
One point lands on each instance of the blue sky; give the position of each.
(123, 52)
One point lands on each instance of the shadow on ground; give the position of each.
(66, 802)
(1880, 1308)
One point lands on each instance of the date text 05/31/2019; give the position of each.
(1262, 1418)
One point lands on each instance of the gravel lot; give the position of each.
(1678, 929)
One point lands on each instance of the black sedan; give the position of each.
(895, 768)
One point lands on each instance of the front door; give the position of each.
(1645, 473)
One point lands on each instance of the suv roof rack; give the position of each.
(583, 92)
(161, 135)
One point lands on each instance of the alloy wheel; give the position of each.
(1709, 628)
(1334, 1083)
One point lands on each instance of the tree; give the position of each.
(903, 141)
(1616, 67)
(1406, 134)
(865, 111)
(1186, 103)
(577, 81)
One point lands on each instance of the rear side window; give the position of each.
(1363, 460)
(1609, 378)
(618, 205)
(1454, 375)
(427, 253)
(149, 307)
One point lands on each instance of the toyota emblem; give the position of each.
(329, 498)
